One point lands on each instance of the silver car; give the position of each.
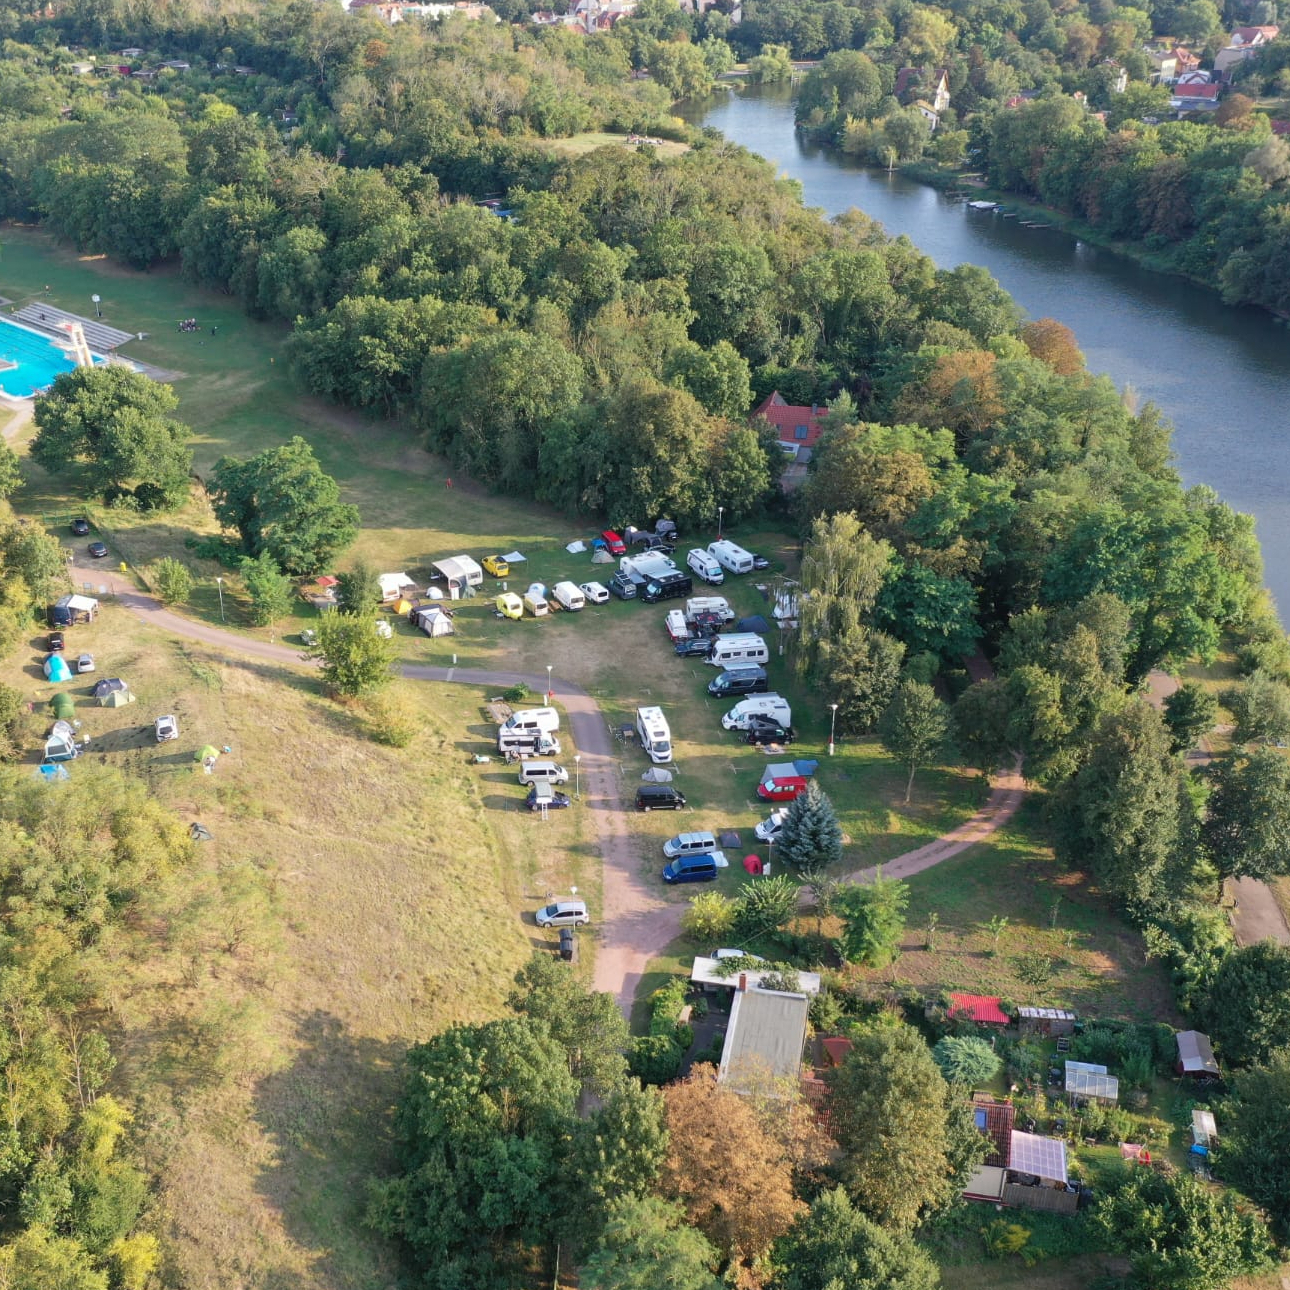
(563, 913)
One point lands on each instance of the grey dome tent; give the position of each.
(61, 744)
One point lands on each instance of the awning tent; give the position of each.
(461, 573)
(433, 621)
(515, 558)
(56, 668)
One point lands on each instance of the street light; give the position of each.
(548, 682)
(577, 777)
(720, 512)
(219, 582)
(833, 721)
(97, 311)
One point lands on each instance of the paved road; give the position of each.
(636, 923)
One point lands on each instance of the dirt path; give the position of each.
(1256, 915)
(636, 922)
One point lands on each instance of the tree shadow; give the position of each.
(328, 1116)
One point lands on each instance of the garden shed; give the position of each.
(1196, 1055)
(1048, 1023)
(984, 1009)
(764, 1038)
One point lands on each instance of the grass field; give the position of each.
(577, 145)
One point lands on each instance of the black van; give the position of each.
(659, 797)
(739, 680)
(667, 587)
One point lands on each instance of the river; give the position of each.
(1221, 374)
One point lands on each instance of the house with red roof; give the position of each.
(1195, 98)
(984, 1009)
(995, 1119)
(797, 425)
(1244, 45)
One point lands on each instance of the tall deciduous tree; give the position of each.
(358, 590)
(863, 670)
(811, 837)
(281, 501)
(836, 1247)
(873, 919)
(888, 1111)
(1261, 708)
(1247, 827)
(1189, 713)
(1246, 1008)
(1255, 1147)
(645, 1245)
(355, 658)
(731, 1176)
(915, 728)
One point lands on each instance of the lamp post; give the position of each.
(548, 682)
(720, 512)
(577, 777)
(219, 582)
(833, 721)
(98, 313)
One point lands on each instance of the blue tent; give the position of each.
(56, 668)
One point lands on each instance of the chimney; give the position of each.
(743, 981)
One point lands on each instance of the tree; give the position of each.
(1255, 1150)
(587, 1024)
(1179, 1234)
(774, 63)
(836, 1247)
(173, 581)
(811, 837)
(282, 502)
(1118, 817)
(728, 1172)
(1246, 1009)
(646, 1244)
(863, 672)
(1054, 343)
(887, 1103)
(118, 421)
(269, 589)
(765, 905)
(915, 728)
(873, 920)
(1261, 709)
(358, 589)
(355, 659)
(1189, 713)
(1247, 826)
(10, 471)
(709, 917)
(966, 1059)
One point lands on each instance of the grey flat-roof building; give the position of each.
(764, 1038)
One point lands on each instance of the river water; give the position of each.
(1221, 374)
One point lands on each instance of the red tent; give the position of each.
(752, 864)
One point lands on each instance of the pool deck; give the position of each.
(53, 321)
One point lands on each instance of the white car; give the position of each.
(85, 663)
(596, 592)
(769, 829)
(166, 728)
(564, 913)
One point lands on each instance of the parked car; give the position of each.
(694, 868)
(563, 913)
(595, 592)
(769, 732)
(97, 549)
(659, 797)
(760, 561)
(80, 526)
(55, 642)
(541, 795)
(695, 647)
(543, 771)
(782, 790)
(166, 728)
(495, 565)
(623, 585)
(614, 542)
(769, 829)
(85, 663)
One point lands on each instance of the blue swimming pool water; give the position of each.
(39, 360)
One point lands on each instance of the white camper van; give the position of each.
(545, 720)
(731, 557)
(535, 601)
(741, 649)
(651, 564)
(705, 566)
(569, 595)
(758, 705)
(718, 605)
(655, 736)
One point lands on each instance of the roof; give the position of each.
(765, 1036)
(788, 417)
(995, 1120)
(86, 604)
(1254, 35)
(1206, 91)
(836, 1048)
(1088, 1080)
(983, 1008)
(1195, 1055)
(903, 77)
(1046, 1014)
(391, 582)
(704, 972)
(1043, 1157)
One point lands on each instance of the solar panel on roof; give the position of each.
(1043, 1157)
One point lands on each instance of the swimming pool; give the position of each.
(37, 357)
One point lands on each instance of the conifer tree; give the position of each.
(811, 838)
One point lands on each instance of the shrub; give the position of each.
(665, 1006)
(709, 917)
(1003, 1238)
(172, 580)
(826, 1012)
(391, 719)
(966, 1059)
(655, 1059)
(516, 693)
(784, 979)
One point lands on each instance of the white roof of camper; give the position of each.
(392, 582)
(85, 603)
(458, 566)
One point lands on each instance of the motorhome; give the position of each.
(731, 557)
(718, 605)
(758, 705)
(738, 650)
(655, 736)
(649, 564)
(705, 566)
(668, 586)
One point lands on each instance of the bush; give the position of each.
(665, 1006)
(966, 1059)
(709, 917)
(391, 719)
(655, 1059)
(826, 1012)
(1003, 1238)
(172, 580)
(516, 693)
(783, 979)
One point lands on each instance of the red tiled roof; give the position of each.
(995, 1120)
(1248, 35)
(903, 77)
(1209, 91)
(836, 1049)
(977, 1007)
(787, 417)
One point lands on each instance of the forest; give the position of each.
(600, 348)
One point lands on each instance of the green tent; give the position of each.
(64, 706)
(116, 699)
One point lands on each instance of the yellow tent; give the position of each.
(402, 606)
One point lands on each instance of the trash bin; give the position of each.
(566, 944)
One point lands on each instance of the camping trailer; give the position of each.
(655, 736)
(509, 605)
(393, 585)
(730, 556)
(738, 650)
(461, 573)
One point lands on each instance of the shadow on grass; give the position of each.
(328, 1117)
